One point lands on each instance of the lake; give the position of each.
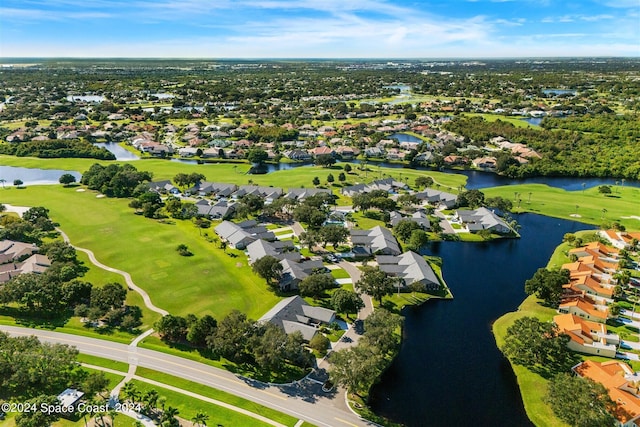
(33, 176)
(404, 137)
(117, 150)
(557, 92)
(449, 371)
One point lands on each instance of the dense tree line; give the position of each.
(358, 368)
(602, 146)
(34, 225)
(238, 339)
(56, 148)
(115, 180)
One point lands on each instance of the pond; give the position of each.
(557, 92)
(479, 180)
(405, 137)
(449, 371)
(120, 152)
(533, 120)
(33, 176)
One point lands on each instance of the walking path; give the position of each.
(127, 276)
(187, 393)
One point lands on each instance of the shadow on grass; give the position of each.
(34, 319)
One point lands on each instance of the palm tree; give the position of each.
(151, 399)
(577, 206)
(169, 414)
(130, 392)
(113, 414)
(604, 211)
(2, 181)
(584, 185)
(530, 193)
(200, 419)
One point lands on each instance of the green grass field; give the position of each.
(218, 395)
(188, 407)
(209, 282)
(588, 204)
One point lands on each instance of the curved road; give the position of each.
(303, 400)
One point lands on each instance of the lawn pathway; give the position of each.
(127, 276)
(187, 393)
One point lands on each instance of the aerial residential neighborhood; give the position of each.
(299, 214)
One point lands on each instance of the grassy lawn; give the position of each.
(218, 395)
(340, 273)
(100, 361)
(364, 223)
(560, 203)
(236, 172)
(516, 121)
(188, 407)
(209, 282)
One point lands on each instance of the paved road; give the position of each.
(305, 400)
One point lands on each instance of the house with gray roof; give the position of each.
(240, 235)
(218, 189)
(419, 217)
(280, 249)
(389, 185)
(269, 194)
(219, 210)
(483, 219)
(295, 272)
(163, 187)
(376, 241)
(410, 268)
(436, 197)
(300, 194)
(294, 314)
(15, 251)
(36, 263)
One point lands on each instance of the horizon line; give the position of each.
(310, 58)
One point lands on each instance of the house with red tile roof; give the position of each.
(586, 336)
(585, 308)
(621, 383)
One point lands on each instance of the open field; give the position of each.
(588, 204)
(209, 282)
(236, 172)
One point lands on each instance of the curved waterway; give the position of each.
(449, 371)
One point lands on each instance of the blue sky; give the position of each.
(319, 28)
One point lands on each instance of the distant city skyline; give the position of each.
(319, 28)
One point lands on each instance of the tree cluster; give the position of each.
(547, 285)
(358, 368)
(378, 199)
(34, 225)
(238, 339)
(57, 148)
(538, 346)
(115, 180)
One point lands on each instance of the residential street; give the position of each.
(303, 400)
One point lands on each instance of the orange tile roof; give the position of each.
(585, 306)
(611, 375)
(578, 329)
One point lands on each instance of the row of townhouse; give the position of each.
(584, 307)
(18, 258)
